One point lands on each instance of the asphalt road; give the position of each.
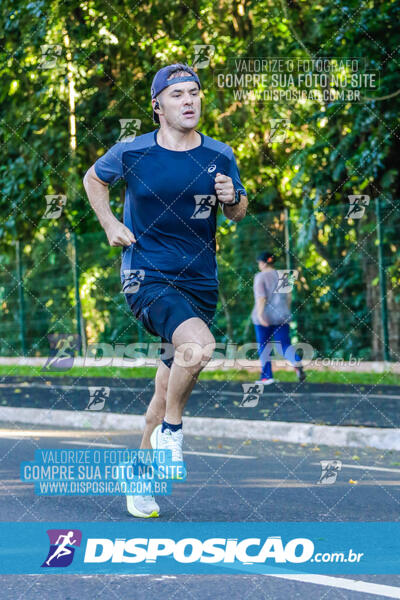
(228, 480)
(191, 587)
(325, 404)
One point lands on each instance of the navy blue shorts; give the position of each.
(162, 307)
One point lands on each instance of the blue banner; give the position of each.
(168, 548)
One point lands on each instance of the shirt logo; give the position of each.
(211, 168)
(62, 547)
(204, 204)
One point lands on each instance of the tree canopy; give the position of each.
(105, 56)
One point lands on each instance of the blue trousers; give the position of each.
(279, 334)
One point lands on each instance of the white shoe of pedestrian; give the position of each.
(142, 506)
(266, 381)
(170, 440)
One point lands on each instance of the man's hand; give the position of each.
(118, 234)
(224, 188)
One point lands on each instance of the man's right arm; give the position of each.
(97, 192)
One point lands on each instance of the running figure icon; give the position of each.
(62, 549)
(63, 357)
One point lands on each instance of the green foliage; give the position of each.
(331, 150)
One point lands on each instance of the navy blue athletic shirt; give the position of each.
(170, 206)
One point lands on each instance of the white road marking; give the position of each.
(366, 587)
(56, 433)
(217, 454)
(90, 444)
(368, 468)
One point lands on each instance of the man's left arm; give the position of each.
(230, 191)
(227, 195)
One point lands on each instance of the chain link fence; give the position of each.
(345, 300)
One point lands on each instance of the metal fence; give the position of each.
(345, 301)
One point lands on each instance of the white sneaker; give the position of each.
(169, 440)
(142, 506)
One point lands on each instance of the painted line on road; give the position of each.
(54, 433)
(366, 587)
(367, 468)
(195, 453)
(218, 454)
(92, 444)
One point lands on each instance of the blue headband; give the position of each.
(182, 80)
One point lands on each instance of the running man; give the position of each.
(175, 177)
(271, 317)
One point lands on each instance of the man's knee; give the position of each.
(208, 349)
(195, 354)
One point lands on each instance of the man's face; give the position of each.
(180, 105)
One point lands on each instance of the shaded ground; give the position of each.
(329, 404)
(228, 480)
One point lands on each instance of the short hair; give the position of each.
(266, 257)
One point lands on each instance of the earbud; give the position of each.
(156, 106)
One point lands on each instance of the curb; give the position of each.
(295, 433)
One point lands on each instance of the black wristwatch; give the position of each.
(238, 197)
